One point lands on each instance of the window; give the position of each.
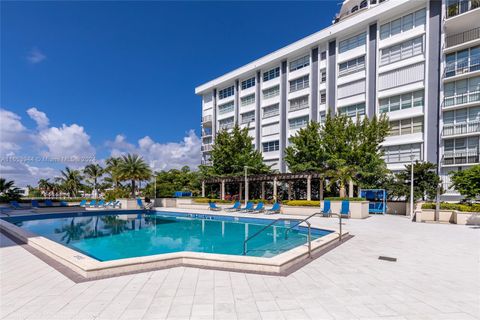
(323, 76)
(299, 103)
(247, 100)
(227, 92)
(207, 98)
(461, 150)
(298, 122)
(463, 61)
(271, 92)
(270, 129)
(401, 102)
(323, 98)
(406, 126)
(248, 83)
(271, 111)
(363, 4)
(271, 74)
(402, 153)
(248, 117)
(322, 117)
(351, 89)
(300, 63)
(271, 146)
(403, 24)
(353, 42)
(226, 123)
(353, 110)
(462, 91)
(402, 51)
(350, 66)
(299, 84)
(323, 55)
(225, 108)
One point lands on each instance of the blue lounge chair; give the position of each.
(48, 203)
(259, 208)
(92, 204)
(64, 204)
(248, 207)
(83, 203)
(109, 204)
(35, 204)
(345, 209)
(15, 205)
(274, 209)
(236, 206)
(116, 204)
(100, 204)
(142, 205)
(326, 211)
(213, 207)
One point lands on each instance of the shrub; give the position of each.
(453, 206)
(207, 200)
(302, 203)
(116, 194)
(345, 198)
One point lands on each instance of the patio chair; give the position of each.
(100, 204)
(274, 209)
(345, 209)
(109, 204)
(236, 206)
(326, 211)
(116, 204)
(64, 203)
(15, 205)
(143, 206)
(35, 204)
(259, 208)
(83, 203)
(48, 203)
(248, 207)
(213, 207)
(92, 204)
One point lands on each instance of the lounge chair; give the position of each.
(249, 207)
(142, 205)
(100, 204)
(345, 209)
(236, 206)
(213, 207)
(326, 211)
(116, 204)
(35, 204)
(64, 204)
(274, 209)
(48, 203)
(15, 205)
(109, 204)
(92, 204)
(83, 203)
(259, 208)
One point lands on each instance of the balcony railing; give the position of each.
(461, 6)
(206, 162)
(207, 147)
(463, 66)
(463, 98)
(226, 126)
(271, 113)
(460, 157)
(461, 128)
(207, 119)
(463, 37)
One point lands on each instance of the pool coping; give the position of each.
(86, 268)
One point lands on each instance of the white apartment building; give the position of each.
(417, 61)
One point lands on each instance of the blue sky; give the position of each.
(106, 75)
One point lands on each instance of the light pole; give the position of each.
(411, 188)
(246, 184)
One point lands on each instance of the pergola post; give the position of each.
(263, 190)
(350, 189)
(321, 189)
(240, 191)
(289, 188)
(309, 187)
(222, 190)
(203, 188)
(275, 189)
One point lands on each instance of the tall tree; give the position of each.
(425, 182)
(45, 186)
(467, 182)
(133, 168)
(93, 172)
(232, 151)
(112, 165)
(71, 180)
(8, 191)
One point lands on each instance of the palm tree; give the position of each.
(133, 167)
(73, 231)
(44, 185)
(93, 172)
(341, 174)
(112, 169)
(71, 180)
(8, 191)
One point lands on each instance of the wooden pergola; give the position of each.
(275, 178)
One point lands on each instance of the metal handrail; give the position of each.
(311, 216)
(260, 231)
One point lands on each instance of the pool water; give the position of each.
(119, 235)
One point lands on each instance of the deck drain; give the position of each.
(387, 258)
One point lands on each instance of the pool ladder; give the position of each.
(309, 235)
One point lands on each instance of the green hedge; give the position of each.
(453, 206)
(344, 198)
(316, 203)
(207, 200)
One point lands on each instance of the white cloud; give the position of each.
(12, 131)
(66, 141)
(161, 156)
(39, 117)
(36, 56)
(24, 174)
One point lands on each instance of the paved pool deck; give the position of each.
(436, 276)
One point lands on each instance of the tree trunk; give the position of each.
(133, 188)
(321, 189)
(350, 188)
(342, 190)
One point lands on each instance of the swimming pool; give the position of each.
(118, 235)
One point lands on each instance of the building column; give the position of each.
(275, 198)
(289, 188)
(283, 115)
(203, 188)
(371, 71)
(350, 189)
(222, 190)
(331, 77)
(314, 85)
(240, 187)
(321, 190)
(258, 113)
(309, 187)
(263, 190)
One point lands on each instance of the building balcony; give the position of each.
(461, 128)
(207, 162)
(207, 119)
(460, 157)
(463, 37)
(459, 67)
(207, 147)
(461, 99)
(461, 6)
(226, 126)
